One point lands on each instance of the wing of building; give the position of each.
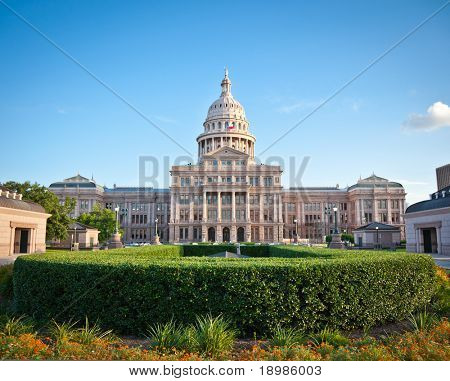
(228, 196)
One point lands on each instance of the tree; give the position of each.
(101, 218)
(60, 219)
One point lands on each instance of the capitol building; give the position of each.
(228, 197)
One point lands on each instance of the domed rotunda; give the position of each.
(226, 125)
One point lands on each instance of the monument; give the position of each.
(115, 242)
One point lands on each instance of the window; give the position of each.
(84, 204)
(383, 217)
(211, 199)
(226, 179)
(184, 199)
(343, 206)
(395, 204)
(254, 199)
(198, 181)
(226, 199)
(268, 199)
(198, 199)
(197, 234)
(185, 181)
(226, 163)
(254, 181)
(212, 179)
(240, 215)
(395, 218)
(291, 207)
(184, 233)
(240, 162)
(198, 215)
(367, 204)
(268, 181)
(184, 214)
(212, 215)
(382, 204)
(254, 215)
(367, 217)
(240, 199)
(240, 179)
(226, 215)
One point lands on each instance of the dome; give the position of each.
(226, 107)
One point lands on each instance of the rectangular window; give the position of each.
(226, 199)
(198, 215)
(198, 199)
(254, 199)
(212, 215)
(240, 215)
(254, 215)
(254, 181)
(226, 215)
(382, 204)
(185, 181)
(184, 199)
(211, 199)
(240, 179)
(240, 162)
(240, 199)
(226, 162)
(268, 181)
(226, 179)
(212, 179)
(291, 207)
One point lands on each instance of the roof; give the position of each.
(136, 189)
(375, 181)
(77, 181)
(374, 225)
(227, 254)
(80, 226)
(440, 199)
(6, 202)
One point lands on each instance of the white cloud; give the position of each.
(437, 116)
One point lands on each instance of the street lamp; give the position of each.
(378, 239)
(156, 227)
(116, 209)
(296, 230)
(336, 231)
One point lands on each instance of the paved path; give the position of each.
(6, 260)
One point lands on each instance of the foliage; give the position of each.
(213, 335)
(6, 283)
(344, 237)
(62, 333)
(13, 326)
(422, 320)
(312, 289)
(286, 337)
(89, 333)
(205, 250)
(329, 336)
(431, 344)
(101, 218)
(165, 336)
(59, 221)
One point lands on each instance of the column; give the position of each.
(205, 207)
(375, 210)
(438, 240)
(247, 206)
(417, 240)
(177, 207)
(12, 239)
(275, 211)
(219, 206)
(233, 206)
(191, 208)
(389, 214)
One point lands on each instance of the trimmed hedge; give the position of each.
(205, 250)
(127, 292)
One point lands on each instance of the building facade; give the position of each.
(443, 176)
(23, 224)
(228, 197)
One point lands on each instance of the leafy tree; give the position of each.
(59, 221)
(101, 218)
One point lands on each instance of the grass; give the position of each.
(422, 320)
(286, 337)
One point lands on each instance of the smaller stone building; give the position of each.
(22, 224)
(377, 235)
(86, 237)
(428, 224)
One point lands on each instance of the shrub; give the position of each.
(213, 335)
(16, 326)
(422, 320)
(62, 333)
(6, 283)
(286, 337)
(167, 335)
(205, 250)
(338, 289)
(329, 336)
(89, 333)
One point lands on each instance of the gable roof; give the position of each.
(80, 226)
(374, 225)
(224, 152)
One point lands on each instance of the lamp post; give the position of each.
(116, 209)
(156, 237)
(336, 231)
(156, 227)
(378, 239)
(296, 230)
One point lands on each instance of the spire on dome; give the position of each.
(226, 84)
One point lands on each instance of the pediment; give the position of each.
(226, 152)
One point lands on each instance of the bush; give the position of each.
(205, 250)
(6, 283)
(338, 289)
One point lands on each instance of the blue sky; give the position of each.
(167, 60)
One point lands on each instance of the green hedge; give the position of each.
(126, 292)
(205, 250)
